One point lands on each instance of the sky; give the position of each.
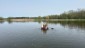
(34, 8)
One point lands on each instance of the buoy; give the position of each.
(52, 28)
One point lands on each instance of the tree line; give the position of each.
(79, 14)
(1, 18)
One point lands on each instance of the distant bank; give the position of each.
(31, 20)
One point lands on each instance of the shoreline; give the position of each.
(32, 20)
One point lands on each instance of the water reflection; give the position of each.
(1, 21)
(44, 31)
(29, 35)
(71, 24)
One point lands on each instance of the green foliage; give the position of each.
(1, 18)
(79, 14)
(18, 18)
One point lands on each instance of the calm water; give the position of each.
(29, 35)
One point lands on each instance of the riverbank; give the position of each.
(32, 20)
(21, 20)
(62, 19)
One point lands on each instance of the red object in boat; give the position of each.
(44, 28)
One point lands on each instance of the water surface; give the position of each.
(29, 35)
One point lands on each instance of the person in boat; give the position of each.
(44, 26)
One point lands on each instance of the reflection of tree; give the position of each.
(9, 20)
(44, 31)
(1, 21)
(39, 21)
(78, 24)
